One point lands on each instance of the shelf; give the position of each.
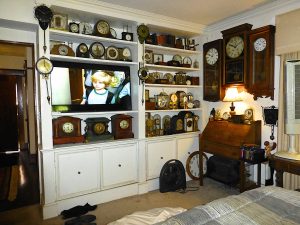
(172, 86)
(58, 35)
(193, 133)
(90, 60)
(92, 113)
(168, 50)
(170, 68)
(173, 110)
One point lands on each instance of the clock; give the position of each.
(182, 99)
(82, 51)
(125, 54)
(97, 129)
(59, 22)
(97, 50)
(67, 129)
(188, 124)
(112, 53)
(248, 116)
(143, 32)
(177, 125)
(226, 116)
(113, 33)
(161, 101)
(213, 70)
(102, 28)
(43, 15)
(166, 124)
(121, 126)
(192, 165)
(127, 36)
(235, 55)
(261, 62)
(63, 50)
(85, 28)
(173, 101)
(44, 65)
(74, 27)
(148, 57)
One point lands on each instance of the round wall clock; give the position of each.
(143, 32)
(44, 65)
(192, 165)
(235, 47)
(97, 50)
(260, 44)
(212, 56)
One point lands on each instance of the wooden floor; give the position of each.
(28, 185)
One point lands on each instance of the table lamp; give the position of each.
(232, 95)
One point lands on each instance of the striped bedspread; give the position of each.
(265, 206)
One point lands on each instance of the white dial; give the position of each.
(128, 37)
(124, 124)
(68, 127)
(74, 27)
(126, 52)
(212, 56)
(63, 50)
(260, 44)
(235, 47)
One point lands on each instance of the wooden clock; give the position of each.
(213, 70)
(67, 129)
(261, 62)
(235, 55)
(97, 129)
(121, 126)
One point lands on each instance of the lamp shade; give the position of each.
(232, 95)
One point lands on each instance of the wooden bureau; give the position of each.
(225, 139)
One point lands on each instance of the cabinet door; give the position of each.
(77, 172)
(119, 165)
(158, 153)
(185, 147)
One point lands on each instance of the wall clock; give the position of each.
(143, 32)
(121, 126)
(67, 129)
(97, 129)
(213, 70)
(261, 62)
(192, 165)
(235, 55)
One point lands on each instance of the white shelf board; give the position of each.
(172, 86)
(93, 113)
(173, 110)
(168, 50)
(170, 68)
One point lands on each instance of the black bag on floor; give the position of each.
(172, 176)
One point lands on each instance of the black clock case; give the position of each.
(90, 135)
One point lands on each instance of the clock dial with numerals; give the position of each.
(192, 165)
(124, 124)
(260, 44)
(235, 47)
(68, 127)
(212, 56)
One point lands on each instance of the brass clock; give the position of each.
(67, 129)
(235, 55)
(213, 70)
(102, 28)
(97, 129)
(121, 126)
(261, 62)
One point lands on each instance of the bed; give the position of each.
(265, 206)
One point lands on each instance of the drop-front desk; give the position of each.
(224, 138)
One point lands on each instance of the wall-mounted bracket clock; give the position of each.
(261, 62)
(235, 55)
(213, 71)
(97, 129)
(67, 129)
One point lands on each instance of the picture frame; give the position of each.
(59, 22)
(158, 58)
(148, 57)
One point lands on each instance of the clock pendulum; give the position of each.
(43, 65)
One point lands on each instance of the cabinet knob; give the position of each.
(79, 172)
(119, 165)
(162, 157)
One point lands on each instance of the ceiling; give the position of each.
(204, 12)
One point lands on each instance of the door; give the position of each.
(8, 112)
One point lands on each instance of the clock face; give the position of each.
(112, 53)
(128, 37)
(193, 165)
(99, 128)
(126, 52)
(248, 113)
(212, 56)
(83, 48)
(68, 127)
(260, 44)
(103, 27)
(124, 124)
(226, 115)
(234, 47)
(97, 50)
(63, 50)
(44, 65)
(74, 27)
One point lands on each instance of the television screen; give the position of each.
(80, 87)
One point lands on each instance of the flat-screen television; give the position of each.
(84, 87)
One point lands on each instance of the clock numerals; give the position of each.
(68, 127)
(235, 47)
(260, 44)
(192, 165)
(212, 56)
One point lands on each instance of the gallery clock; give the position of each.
(261, 62)
(212, 69)
(235, 55)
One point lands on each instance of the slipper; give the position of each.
(86, 219)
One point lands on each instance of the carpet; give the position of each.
(9, 182)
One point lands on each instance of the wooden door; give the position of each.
(8, 112)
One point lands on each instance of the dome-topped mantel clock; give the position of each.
(235, 55)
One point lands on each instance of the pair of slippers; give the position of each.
(77, 211)
(82, 220)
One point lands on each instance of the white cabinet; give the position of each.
(119, 165)
(158, 153)
(77, 172)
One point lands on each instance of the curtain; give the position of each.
(290, 181)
